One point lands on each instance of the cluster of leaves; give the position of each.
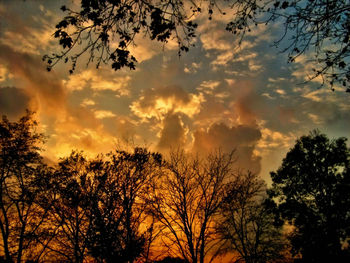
(106, 29)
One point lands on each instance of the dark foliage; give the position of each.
(106, 29)
(118, 207)
(22, 175)
(171, 260)
(312, 192)
(316, 26)
(101, 24)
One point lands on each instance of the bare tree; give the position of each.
(99, 206)
(186, 199)
(247, 226)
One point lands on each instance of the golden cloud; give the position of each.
(97, 82)
(158, 102)
(102, 114)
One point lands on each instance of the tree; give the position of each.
(98, 205)
(118, 207)
(311, 190)
(319, 26)
(246, 225)
(100, 25)
(22, 175)
(70, 193)
(185, 201)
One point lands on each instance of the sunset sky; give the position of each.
(218, 94)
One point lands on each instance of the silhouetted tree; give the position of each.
(246, 225)
(186, 199)
(22, 175)
(118, 207)
(71, 222)
(322, 26)
(101, 22)
(170, 260)
(312, 192)
(319, 26)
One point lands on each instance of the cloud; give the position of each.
(29, 34)
(208, 86)
(192, 68)
(102, 114)
(4, 74)
(13, 102)
(97, 81)
(241, 138)
(215, 39)
(87, 102)
(173, 134)
(271, 139)
(158, 102)
(44, 88)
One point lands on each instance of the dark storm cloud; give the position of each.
(44, 87)
(173, 133)
(13, 102)
(243, 139)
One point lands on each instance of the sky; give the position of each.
(218, 95)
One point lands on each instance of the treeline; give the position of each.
(140, 207)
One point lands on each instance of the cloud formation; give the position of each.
(13, 102)
(44, 88)
(173, 134)
(158, 102)
(243, 139)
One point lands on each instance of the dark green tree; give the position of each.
(311, 191)
(317, 26)
(23, 212)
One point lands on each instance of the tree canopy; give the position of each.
(120, 206)
(106, 30)
(22, 175)
(312, 193)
